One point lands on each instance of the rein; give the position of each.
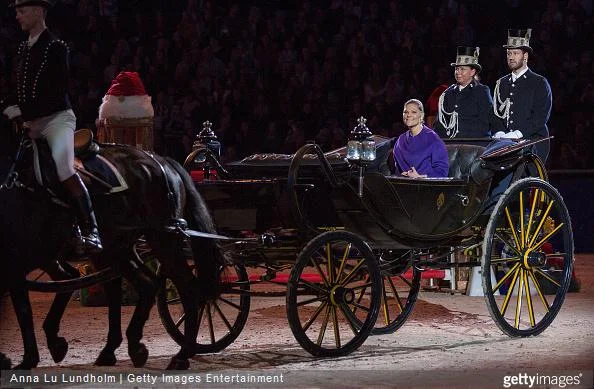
(12, 176)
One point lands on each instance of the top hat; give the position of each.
(519, 39)
(23, 3)
(468, 56)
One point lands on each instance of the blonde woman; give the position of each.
(419, 152)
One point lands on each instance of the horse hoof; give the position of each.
(139, 355)
(106, 358)
(178, 364)
(58, 349)
(5, 362)
(26, 365)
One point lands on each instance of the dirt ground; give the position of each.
(450, 341)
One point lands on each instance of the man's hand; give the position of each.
(513, 135)
(517, 134)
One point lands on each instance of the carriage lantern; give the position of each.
(361, 148)
(207, 140)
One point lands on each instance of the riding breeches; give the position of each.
(58, 130)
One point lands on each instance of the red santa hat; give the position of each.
(126, 98)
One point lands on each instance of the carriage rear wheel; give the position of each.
(220, 321)
(527, 257)
(327, 313)
(400, 288)
(398, 298)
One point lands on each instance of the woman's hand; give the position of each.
(412, 173)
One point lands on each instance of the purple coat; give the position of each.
(425, 151)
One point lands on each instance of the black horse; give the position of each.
(36, 232)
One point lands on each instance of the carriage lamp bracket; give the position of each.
(361, 149)
(209, 141)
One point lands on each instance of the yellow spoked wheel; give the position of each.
(327, 313)
(401, 284)
(527, 257)
(399, 295)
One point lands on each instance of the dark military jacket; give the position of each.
(474, 107)
(41, 77)
(531, 101)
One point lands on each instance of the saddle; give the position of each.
(100, 176)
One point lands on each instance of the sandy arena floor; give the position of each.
(450, 341)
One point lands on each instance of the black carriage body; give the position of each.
(394, 211)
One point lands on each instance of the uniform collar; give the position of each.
(33, 39)
(514, 76)
(470, 85)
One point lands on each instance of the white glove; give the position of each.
(499, 134)
(12, 111)
(517, 134)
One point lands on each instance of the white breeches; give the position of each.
(58, 130)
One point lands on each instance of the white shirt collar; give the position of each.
(518, 75)
(32, 39)
(461, 88)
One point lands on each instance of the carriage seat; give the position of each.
(461, 158)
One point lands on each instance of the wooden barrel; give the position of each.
(136, 132)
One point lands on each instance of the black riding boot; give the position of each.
(81, 203)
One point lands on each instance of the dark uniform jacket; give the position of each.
(474, 106)
(42, 78)
(531, 101)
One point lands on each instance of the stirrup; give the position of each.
(86, 245)
(176, 224)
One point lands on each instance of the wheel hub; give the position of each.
(536, 258)
(340, 295)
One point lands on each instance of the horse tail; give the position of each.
(207, 254)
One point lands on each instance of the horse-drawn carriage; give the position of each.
(357, 239)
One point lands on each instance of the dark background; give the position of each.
(271, 74)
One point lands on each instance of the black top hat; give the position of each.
(23, 3)
(468, 56)
(519, 39)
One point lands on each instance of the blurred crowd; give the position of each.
(273, 74)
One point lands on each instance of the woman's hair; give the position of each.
(418, 103)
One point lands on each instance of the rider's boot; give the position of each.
(81, 203)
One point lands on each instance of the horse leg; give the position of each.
(24, 314)
(186, 287)
(57, 345)
(169, 249)
(113, 292)
(5, 362)
(138, 275)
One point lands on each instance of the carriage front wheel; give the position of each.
(220, 321)
(325, 308)
(527, 257)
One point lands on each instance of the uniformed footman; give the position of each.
(464, 108)
(522, 99)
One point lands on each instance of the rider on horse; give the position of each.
(42, 103)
